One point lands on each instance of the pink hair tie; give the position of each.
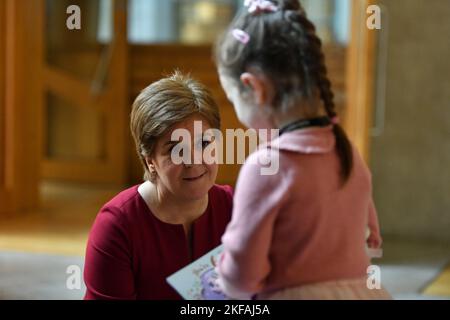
(241, 36)
(258, 6)
(335, 120)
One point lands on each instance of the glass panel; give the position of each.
(74, 133)
(152, 21)
(77, 51)
(201, 21)
(331, 17)
(178, 21)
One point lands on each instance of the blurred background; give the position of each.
(65, 98)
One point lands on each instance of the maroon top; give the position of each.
(130, 252)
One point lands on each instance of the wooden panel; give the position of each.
(80, 171)
(63, 84)
(360, 77)
(151, 62)
(4, 199)
(335, 56)
(2, 93)
(23, 103)
(118, 137)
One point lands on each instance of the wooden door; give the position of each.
(85, 95)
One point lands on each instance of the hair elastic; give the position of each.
(241, 36)
(257, 6)
(335, 120)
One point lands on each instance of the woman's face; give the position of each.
(187, 181)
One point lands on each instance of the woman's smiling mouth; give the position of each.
(194, 178)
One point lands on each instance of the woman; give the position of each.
(152, 230)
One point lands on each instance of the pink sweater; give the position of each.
(298, 226)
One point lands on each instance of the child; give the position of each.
(301, 233)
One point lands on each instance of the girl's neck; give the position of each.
(298, 112)
(170, 209)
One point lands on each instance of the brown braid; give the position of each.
(285, 46)
(319, 69)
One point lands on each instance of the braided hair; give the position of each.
(285, 46)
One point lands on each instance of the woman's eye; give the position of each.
(205, 143)
(169, 150)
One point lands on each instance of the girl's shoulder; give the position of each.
(263, 165)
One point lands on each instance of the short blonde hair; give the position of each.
(165, 103)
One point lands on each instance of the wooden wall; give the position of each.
(150, 63)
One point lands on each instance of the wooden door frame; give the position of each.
(3, 188)
(360, 78)
(22, 88)
(22, 93)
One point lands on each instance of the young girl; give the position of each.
(301, 233)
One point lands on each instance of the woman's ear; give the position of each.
(257, 85)
(149, 163)
(151, 169)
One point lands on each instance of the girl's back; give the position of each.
(318, 225)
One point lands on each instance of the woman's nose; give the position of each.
(196, 156)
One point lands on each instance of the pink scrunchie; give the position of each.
(257, 6)
(241, 36)
(335, 120)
